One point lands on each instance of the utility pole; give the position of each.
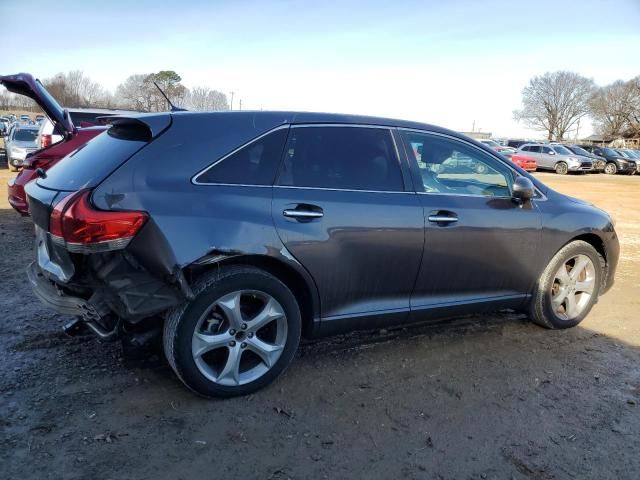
(231, 101)
(473, 126)
(240, 104)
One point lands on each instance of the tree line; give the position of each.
(137, 92)
(556, 102)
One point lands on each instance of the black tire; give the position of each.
(562, 168)
(182, 321)
(611, 168)
(541, 311)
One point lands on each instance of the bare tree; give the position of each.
(613, 107)
(203, 99)
(74, 89)
(554, 102)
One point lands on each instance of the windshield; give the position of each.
(611, 152)
(491, 143)
(580, 151)
(25, 135)
(559, 149)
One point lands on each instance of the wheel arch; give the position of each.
(302, 287)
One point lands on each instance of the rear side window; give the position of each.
(347, 158)
(253, 164)
(526, 149)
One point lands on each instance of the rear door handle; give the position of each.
(302, 214)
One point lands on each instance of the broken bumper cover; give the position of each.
(57, 300)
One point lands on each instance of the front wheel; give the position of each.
(236, 336)
(562, 168)
(611, 168)
(569, 286)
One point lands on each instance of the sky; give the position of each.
(455, 63)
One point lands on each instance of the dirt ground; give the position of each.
(479, 398)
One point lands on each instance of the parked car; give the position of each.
(50, 153)
(80, 117)
(557, 158)
(616, 163)
(4, 126)
(39, 118)
(598, 162)
(525, 162)
(515, 143)
(20, 142)
(233, 234)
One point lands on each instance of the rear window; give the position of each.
(91, 163)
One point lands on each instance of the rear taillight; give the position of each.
(75, 224)
(45, 140)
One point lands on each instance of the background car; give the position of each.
(616, 163)
(4, 126)
(557, 158)
(598, 162)
(19, 143)
(69, 139)
(526, 162)
(81, 118)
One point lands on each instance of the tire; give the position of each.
(610, 168)
(544, 310)
(215, 294)
(12, 168)
(562, 168)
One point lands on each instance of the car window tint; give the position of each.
(546, 150)
(350, 158)
(448, 166)
(254, 164)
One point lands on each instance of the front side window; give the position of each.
(547, 150)
(452, 167)
(345, 158)
(254, 164)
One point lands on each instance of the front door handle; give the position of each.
(303, 214)
(442, 218)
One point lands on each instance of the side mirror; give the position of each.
(523, 189)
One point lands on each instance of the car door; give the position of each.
(345, 208)
(480, 245)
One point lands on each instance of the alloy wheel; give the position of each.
(562, 168)
(610, 168)
(573, 286)
(239, 337)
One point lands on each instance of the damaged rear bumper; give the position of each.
(53, 297)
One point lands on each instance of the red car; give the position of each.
(523, 161)
(41, 160)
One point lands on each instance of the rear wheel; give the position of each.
(569, 286)
(238, 334)
(610, 168)
(11, 167)
(562, 168)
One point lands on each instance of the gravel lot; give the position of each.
(487, 397)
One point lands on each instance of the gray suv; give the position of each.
(233, 234)
(557, 157)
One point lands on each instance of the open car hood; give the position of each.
(25, 84)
